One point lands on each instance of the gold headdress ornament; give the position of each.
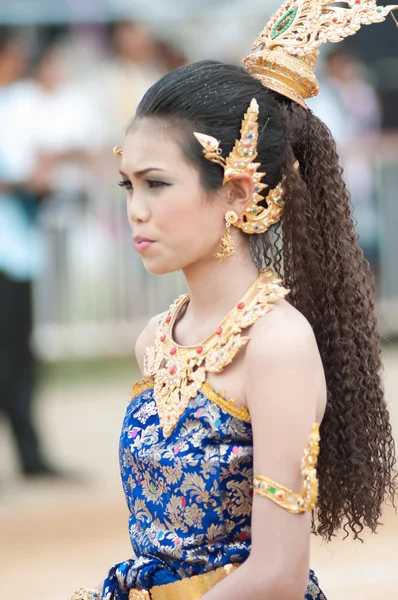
(285, 53)
(256, 219)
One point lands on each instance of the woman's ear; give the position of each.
(240, 192)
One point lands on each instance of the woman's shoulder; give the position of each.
(283, 352)
(282, 328)
(146, 338)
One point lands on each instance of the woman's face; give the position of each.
(175, 223)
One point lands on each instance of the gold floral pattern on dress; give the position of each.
(189, 495)
(313, 591)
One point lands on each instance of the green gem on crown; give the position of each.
(284, 23)
(272, 490)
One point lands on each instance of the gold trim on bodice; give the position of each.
(179, 372)
(139, 387)
(228, 405)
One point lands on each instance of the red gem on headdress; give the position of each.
(172, 371)
(241, 305)
(173, 351)
(162, 338)
(219, 330)
(335, 20)
(168, 319)
(199, 349)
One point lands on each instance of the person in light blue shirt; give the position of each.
(21, 260)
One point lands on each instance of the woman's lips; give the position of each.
(143, 245)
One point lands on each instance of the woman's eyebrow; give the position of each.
(142, 172)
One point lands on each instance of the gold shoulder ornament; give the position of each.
(284, 56)
(291, 501)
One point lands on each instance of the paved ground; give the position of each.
(55, 538)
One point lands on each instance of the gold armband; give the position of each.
(295, 503)
(84, 594)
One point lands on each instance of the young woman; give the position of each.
(242, 373)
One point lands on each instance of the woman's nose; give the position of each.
(137, 211)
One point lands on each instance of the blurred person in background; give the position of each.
(351, 109)
(49, 132)
(67, 131)
(130, 71)
(168, 56)
(21, 260)
(231, 179)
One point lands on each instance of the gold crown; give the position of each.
(283, 57)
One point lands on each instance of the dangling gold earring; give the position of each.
(227, 241)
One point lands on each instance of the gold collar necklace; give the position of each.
(180, 371)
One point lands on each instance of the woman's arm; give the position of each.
(285, 380)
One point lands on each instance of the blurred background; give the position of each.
(74, 295)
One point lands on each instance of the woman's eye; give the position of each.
(125, 184)
(156, 184)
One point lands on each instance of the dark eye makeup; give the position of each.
(125, 184)
(152, 183)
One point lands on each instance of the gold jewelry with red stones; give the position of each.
(295, 503)
(85, 594)
(284, 55)
(227, 241)
(256, 218)
(179, 372)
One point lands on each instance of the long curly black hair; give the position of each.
(314, 248)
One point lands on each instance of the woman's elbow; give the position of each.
(279, 585)
(290, 588)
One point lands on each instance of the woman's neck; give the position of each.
(214, 287)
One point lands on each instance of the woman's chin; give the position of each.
(159, 268)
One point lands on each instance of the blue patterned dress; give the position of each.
(189, 495)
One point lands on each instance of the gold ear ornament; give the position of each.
(118, 151)
(291, 501)
(227, 241)
(256, 218)
(284, 56)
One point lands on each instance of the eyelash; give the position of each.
(153, 184)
